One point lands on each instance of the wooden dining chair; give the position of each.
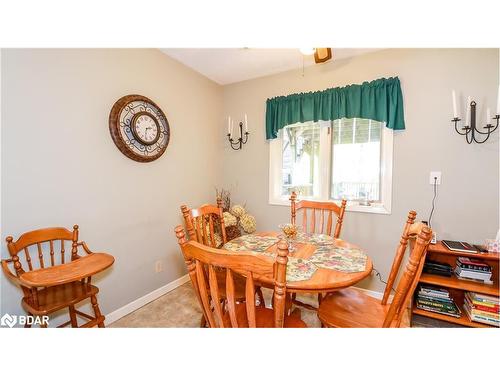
(351, 308)
(202, 224)
(53, 275)
(200, 258)
(327, 209)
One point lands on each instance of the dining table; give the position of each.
(317, 263)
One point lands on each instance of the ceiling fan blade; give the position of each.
(322, 55)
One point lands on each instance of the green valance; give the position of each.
(379, 100)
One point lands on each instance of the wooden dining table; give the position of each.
(322, 279)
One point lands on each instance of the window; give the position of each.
(300, 159)
(346, 158)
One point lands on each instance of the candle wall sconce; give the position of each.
(470, 130)
(243, 137)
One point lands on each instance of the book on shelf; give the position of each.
(473, 269)
(479, 318)
(477, 311)
(436, 300)
(473, 264)
(426, 297)
(473, 275)
(486, 298)
(455, 314)
(486, 308)
(459, 246)
(437, 268)
(434, 290)
(480, 307)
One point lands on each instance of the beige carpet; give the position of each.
(179, 309)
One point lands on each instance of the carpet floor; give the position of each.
(180, 309)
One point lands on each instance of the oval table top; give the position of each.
(323, 279)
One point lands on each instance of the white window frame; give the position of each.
(386, 156)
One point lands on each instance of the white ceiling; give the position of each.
(229, 65)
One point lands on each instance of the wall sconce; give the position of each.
(238, 144)
(470, 130)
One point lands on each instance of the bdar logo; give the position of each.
(8, 320)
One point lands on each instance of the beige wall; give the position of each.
(468, 202)
(61, 167)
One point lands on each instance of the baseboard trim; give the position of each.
(371, 293)
(144, 300)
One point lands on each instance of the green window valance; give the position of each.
(379, 100)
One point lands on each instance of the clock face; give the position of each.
(145, 128)
(139, 128)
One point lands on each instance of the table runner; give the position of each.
(326, 255)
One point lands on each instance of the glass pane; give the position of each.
(356, 160)
(301, 159)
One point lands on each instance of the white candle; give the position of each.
(246, 123)
(488, 116)
(229, 125)
(498, 101)
(232, 125)
(454, 99)
(467, 116)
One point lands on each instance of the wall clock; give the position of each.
(139, 128)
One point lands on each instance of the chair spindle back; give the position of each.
(200, 223)
(400, 252)
(199, 258)
(47, 245)
(407, 283)
(327, 209)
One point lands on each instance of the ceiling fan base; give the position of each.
(322, 55)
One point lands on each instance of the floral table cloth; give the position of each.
(327, 254)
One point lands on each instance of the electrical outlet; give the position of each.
(158, 266)
(435, 175)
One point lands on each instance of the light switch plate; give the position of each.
(432, 176)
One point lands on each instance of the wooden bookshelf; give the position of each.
(463, 320)
(457, 287)
(456, 283)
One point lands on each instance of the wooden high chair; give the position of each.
(52, 280)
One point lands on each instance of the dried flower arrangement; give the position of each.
(236, 219)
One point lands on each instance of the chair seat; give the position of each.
(57, 297)
(264, 318)
(350, 308)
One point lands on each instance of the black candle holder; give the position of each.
(240, 142)
(471, 131)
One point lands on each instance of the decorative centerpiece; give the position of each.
(290, 234)
(236, 219)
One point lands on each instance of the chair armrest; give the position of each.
(85, 247)
(9, 274)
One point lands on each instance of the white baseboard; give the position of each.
(139, 302)
(371, 293)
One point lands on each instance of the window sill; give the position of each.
(378, 209)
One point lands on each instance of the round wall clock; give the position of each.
(139, 128)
